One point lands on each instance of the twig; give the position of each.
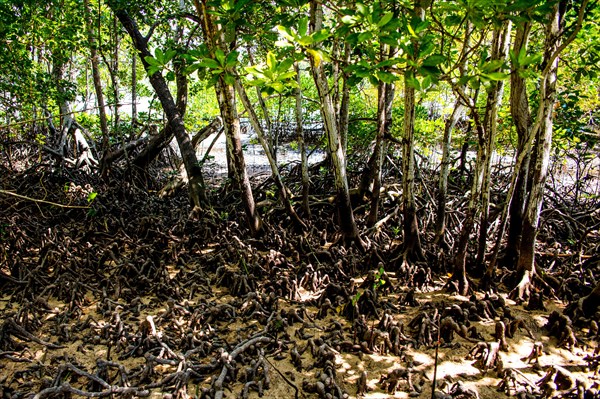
(42, 201)
(290, 383)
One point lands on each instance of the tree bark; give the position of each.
(412, 237)
(133, 95)
(97, 81)
(283, 191)
(500, 46)
(346, 220)
(440, 220)
(541, 155)
(385, 95)
(301, 143)
(196, 186)
(214, 37)
(457, 112)
(344, 114)
(231, 122)
(114, 73)
(519, 110)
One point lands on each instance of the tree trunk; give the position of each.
(67, 125)
(500, 46)
(440, 220)
(114, 73)
(541, 154)
(300, 135)
(214, 37)
(345, 213)
(96, 78)
(194, 172)
(459, 275)
(457, 112)
(385, 95)
(344, 114)
(265, 111)
(412, 237)
(133, 95)
(283, 191)
(519, 110)
(231, 122)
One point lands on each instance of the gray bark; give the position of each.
(345, 213)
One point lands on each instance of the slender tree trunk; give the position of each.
(459, 275)
(500, 46)
(214, 37)
(412, 236)
(283, 191)
(159, 142)
(440, 221)
(67, 125)
(298, 114)
(133, 95)
(344, 113)
(265, 111)
(115, 72)
(385, 95)
(96, 77)
(346, 220)
(519, 109)
(231, 122)
(196, 186)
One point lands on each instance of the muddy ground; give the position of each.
(126, 294)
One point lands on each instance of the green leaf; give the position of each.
(434, 60)
(318, 56)
(168, 56)
(170, 76)
(285, 65)
(364, 36)
(287, 33)
(286, 75)
(320, 36)
(492, 66)
(278, 87)
(412, 81)
(362, 9)
(303, 26)
(495, 75)
(209, 63)
(271, 61)
(305, 40)
(152, 70)
(152, 61)
(91, 197)
(349, 19)
(191, 68)
(220, 56)
(232, 59)
(426, 83)
(229, 79)
(386, 77)
(385, 19)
